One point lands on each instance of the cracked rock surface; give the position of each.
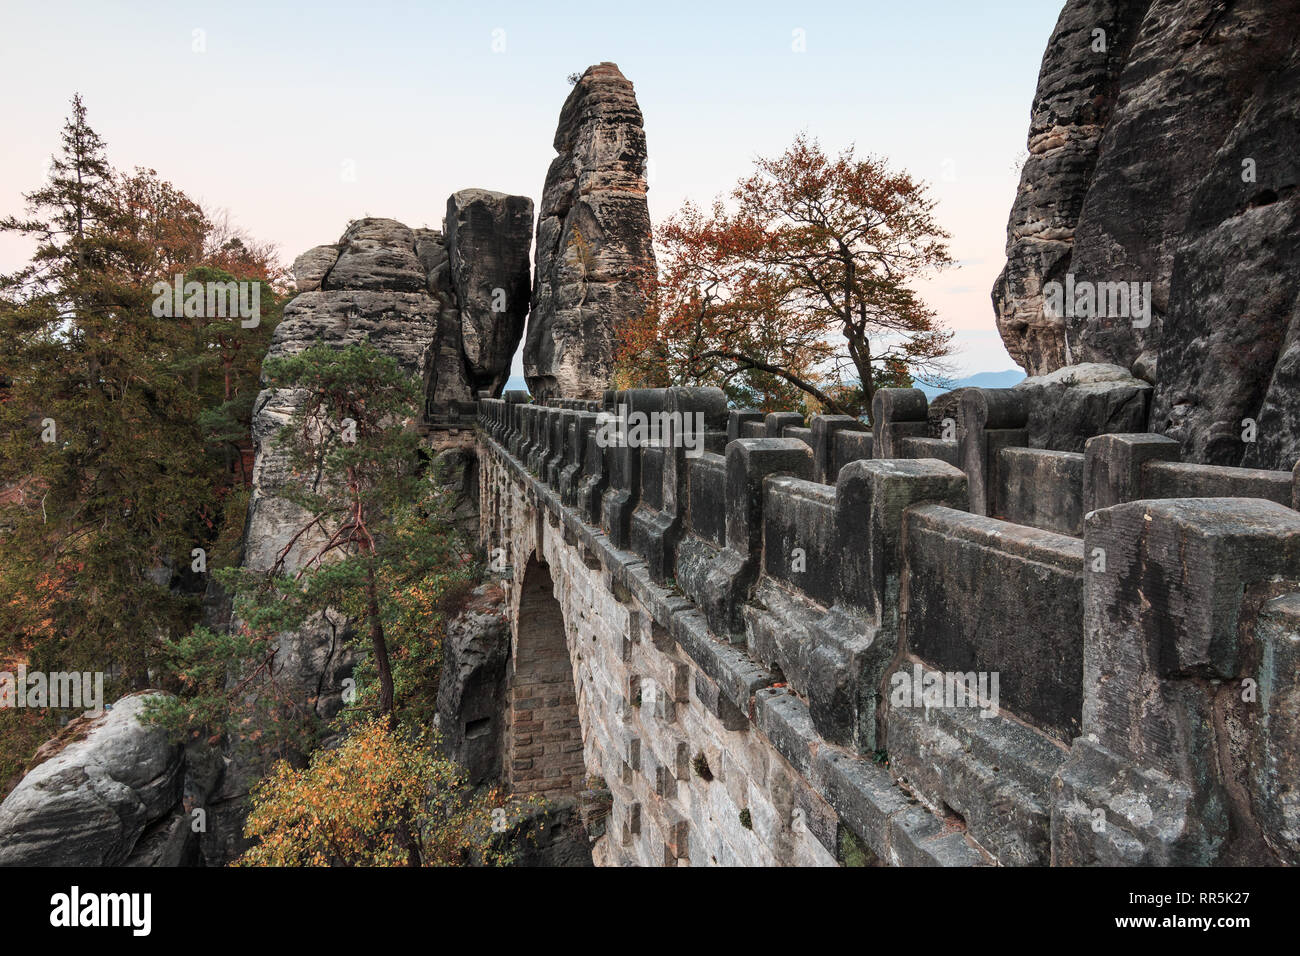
(594, 245)
(1164, 147)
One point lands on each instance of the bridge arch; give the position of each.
(544, 735)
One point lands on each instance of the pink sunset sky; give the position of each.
(263, 108)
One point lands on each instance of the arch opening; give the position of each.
(544, 739)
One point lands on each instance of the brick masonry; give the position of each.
(544, 741)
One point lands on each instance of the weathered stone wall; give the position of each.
(741, 627)
(1042, 489)
(680, 774)
(1014, 478)
(964, 572)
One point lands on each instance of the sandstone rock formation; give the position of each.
(377, 255)
(472, 688)
(384, 301)
(1163, 149)
(99, 786)
(312, 266)
(594, 245)
(469, 288)
(431, 304)
(1076, 93)
(488, 238)
(1070, 405)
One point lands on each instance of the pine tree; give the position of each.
(64, 215)
(377, 546)
(100, 451)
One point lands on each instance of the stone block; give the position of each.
(1169, 617)
(1042, 489)
(775, 423)
(989, 419)
(736, 420)
(1113, 464)
(897, 413)
(824, 429)
(964, 573)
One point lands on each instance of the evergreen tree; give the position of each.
(377, 546)
(109, 478)
(97, 439)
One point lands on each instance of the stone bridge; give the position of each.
(825, 645)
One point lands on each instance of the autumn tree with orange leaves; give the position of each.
(797, 290)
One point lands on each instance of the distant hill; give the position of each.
(1005, 379)
(979, 380)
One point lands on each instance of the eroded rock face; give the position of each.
(488, 239)
(472, 700)
(1072, 404)
(429, 304)
(377, 255)
(1170, 157)
(450, 308)
(1077, 89)
(402, 325)
(594, 246)
(105, 781)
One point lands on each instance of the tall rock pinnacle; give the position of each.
(594, 247)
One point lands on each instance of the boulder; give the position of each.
(310, 268)
(377, 255)
(1074, 403)
(488, 238)
(94, 791)
(594, 246)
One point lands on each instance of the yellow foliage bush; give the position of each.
(379, 799)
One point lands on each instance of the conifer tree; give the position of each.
(376, 547)
(106, 472)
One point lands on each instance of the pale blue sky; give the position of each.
(421, 100)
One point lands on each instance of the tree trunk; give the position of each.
(380, 648)
(865, 372)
